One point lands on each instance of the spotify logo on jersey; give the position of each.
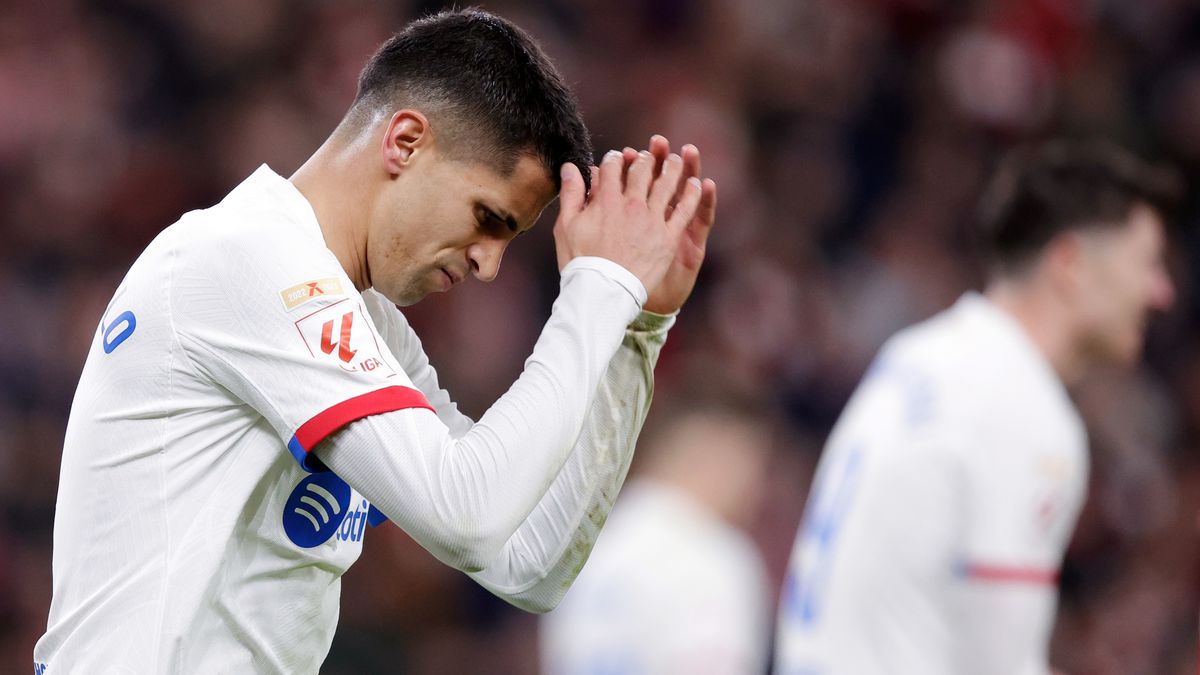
(315, 509)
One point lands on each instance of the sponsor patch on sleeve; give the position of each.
(299, 294)
(340, 333)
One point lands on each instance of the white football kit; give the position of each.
(670, 588)
(196, 531)
(940, 510)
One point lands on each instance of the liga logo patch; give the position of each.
(342, 334)
(310, 290)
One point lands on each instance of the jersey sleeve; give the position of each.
(281, 329)
(466, 498)
(1023, 497)
(559, 534)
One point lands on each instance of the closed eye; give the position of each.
(493, 220)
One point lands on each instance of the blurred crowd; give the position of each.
(849, 140)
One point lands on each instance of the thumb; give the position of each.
(571, 194)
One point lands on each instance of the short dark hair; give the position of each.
(488, 88)
(1039, 191)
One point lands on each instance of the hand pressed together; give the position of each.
(648, 211)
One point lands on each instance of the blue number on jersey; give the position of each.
(127, 322)
(818, 534)
(119, 329)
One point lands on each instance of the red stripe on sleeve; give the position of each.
(1020, 575)
(380, 401)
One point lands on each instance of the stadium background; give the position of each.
(848, 137)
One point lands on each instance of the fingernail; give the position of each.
(612, 154)
(674, 158)
(694, 182)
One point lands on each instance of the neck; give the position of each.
(335, 185)
(1044, 318)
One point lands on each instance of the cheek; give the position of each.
(1118, 289)
(390, 264)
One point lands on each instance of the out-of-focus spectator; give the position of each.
(675, 585)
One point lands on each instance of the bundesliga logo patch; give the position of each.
(299, 294)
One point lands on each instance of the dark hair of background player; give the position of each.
(1039, 192)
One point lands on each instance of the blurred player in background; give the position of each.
(253, 399)
(949, 488)
(675, 585)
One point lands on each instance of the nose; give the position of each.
(484, 257)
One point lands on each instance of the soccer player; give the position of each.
(675, 585)
(253, 400)
(951, 483)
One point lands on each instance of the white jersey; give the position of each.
(194, 532)
(670, 588)
(940, 510)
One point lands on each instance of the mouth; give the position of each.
(451, 279)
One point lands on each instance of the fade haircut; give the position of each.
(489, 91)
(1041, 191)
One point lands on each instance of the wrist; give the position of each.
(610, 270)
(653, 322)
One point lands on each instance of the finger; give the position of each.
(641, 173)
(691, 160)
(691, 167)
(609, 182)
(594, 171)
(561, 252)
(628, 156)
(660, 147)
(571, 195)
(706, 213)
(686, 208)
(666, 185)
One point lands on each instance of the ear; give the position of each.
(407, 132)
(1063, 261)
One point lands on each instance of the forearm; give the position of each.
(464, 498)
(542, 559)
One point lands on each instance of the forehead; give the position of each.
(523, 193)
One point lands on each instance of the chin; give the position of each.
(406, 300)
(400, 298)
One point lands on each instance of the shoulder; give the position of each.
(944, 342)
(261, 239)
(978, 356)
(230, 236)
